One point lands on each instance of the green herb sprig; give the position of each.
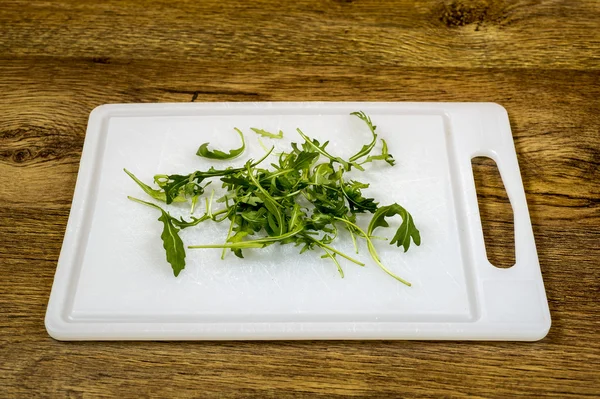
(203, 151)
(298, 200)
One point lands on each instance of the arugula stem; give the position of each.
(194, 202)
(264, 147)
(209, 204)
(292, 194)
(332, 257)
(325, 246)
(220, 212)
(385, 269)
(316, 148)
(139, 201)
(372, 251)
(261, 159)
(259, 243)
(321, 151)
(366, 148)
(260, 188)
(278, 173)
(379, 238)
(349, 223)
(353, 238)
(229, 232)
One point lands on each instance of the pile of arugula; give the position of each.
(299, 201)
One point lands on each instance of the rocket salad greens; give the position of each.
(298, 199)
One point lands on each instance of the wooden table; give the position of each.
(540, 59)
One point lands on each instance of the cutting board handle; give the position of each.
(513, 295)
(496, 142)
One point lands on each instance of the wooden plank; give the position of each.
(459, 33)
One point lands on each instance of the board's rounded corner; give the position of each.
(542, 331)
(55, 326)
(497, 107)
(101, 111)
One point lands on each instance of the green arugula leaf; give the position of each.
(156, 194)
(181, 223)
(323, 174)
(203, 151)
(237, 238)
(320, 148)
(334, 259)
(366, 149)
(172, 243)
(302, 161)
(356, 201)
(319, 221)
(250, 198)
(296, 200)
(255, 216)
(296, 217)
(329, 201)
(405, 232)
(264, 133)
(174, 185)
(385, 155)
(275, 219)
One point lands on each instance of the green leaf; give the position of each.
(303, 160)
(203, 151)
(264, 133)
(320, 148)
(356, 201)
(174, 185)
(181, 223)
(236, 238)
(296, 200)
(335, 206)
(256, 217)
(385, 155)
(405, 232)
(156, 194)
(366, 149)
(332, 257)
(172, 243)
(296, 217)
(319, 221)
(275, 218)
(322, 174)
(270, 203)
(251, 199)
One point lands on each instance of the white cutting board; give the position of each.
(113, 281)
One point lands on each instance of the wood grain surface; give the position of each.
(540, 59)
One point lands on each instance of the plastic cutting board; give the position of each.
(113, 282)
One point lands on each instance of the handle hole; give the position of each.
(496, 213)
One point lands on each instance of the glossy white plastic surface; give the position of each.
(113, 282)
